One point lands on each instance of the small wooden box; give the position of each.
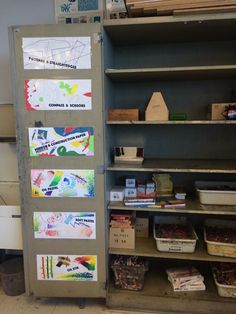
(215, 111)
(123, 115)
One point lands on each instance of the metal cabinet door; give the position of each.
(72, 250)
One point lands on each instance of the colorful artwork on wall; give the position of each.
(67, 267)
(67, 141)
(53, 53)
(58, 94)
(62, 183)
(64, 225)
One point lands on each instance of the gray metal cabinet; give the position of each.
(191, 61)
(59, 261)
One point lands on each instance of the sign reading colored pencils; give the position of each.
(61, 141)
(58, 94)
(67, 267)
(62, 183)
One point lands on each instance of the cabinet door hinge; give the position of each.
(100, 169)
(97, 38)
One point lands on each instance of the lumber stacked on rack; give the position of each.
(178, 7)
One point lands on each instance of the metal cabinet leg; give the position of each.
(82, 302)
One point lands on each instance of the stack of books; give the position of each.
(124, 220)
(186, 279)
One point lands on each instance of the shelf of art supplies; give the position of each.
(192, 207)
(147, 247)
(158, 294)
(179, 165)
(170, 73)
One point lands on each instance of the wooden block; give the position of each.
(221, 9)
(123, 115)
(157, 109)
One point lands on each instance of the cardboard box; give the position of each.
(130, 192)
(157, 109)
(123, 115)
(122, 238)
(117, 194)
(215, 111)
(130, 183)
(142, 227)
(7, 121)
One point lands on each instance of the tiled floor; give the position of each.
(31, 305)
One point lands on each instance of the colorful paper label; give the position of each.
(54, 53)
(64, 225)
(67, 267)
(61, 141)
(58, 94)
(62, 183)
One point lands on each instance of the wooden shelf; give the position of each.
(157, 295)
(192, 207)
(147, 247)
(183, 122)
(7, 139)
(179, 166)
(173, 73)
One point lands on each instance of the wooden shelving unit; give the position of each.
(191, 61)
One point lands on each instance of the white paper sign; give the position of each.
(57, 53)
(58, 94)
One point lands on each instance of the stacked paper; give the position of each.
(186, 279)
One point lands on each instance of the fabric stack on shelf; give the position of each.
(186, 279)
(178, 7)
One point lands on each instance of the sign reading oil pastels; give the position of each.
(64, 225)
(61, 141)
(58, 94)
(67, 267)
(56, 53)
(62, 183)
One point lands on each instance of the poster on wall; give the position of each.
(58, 94)
(67, 267)
(67, 141)
(78, 11)
(64, 225)
(62, 183)
(53, 53)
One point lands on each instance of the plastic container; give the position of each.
(220, 248)
(224, 290)
(216, 192)
(12, 276)
(129, 277)
(174, 245)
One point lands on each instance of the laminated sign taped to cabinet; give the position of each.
(157, 109)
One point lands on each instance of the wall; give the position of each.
(18, 12)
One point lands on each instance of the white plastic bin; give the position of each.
(216, 192)
(174, 245)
